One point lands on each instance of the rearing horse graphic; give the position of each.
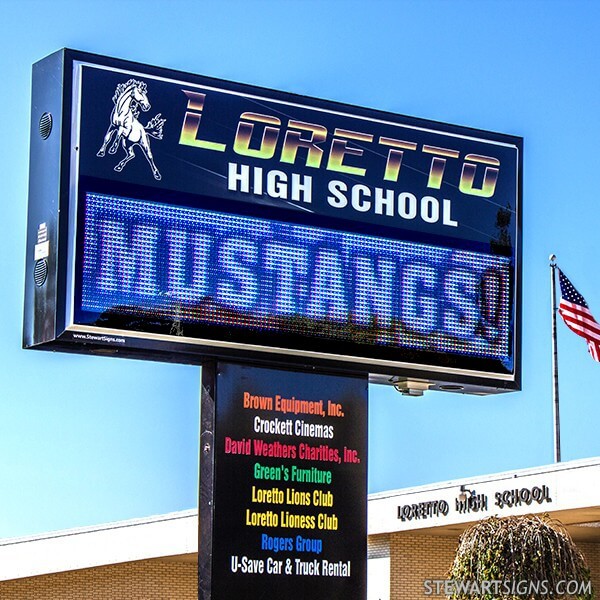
(128, 99)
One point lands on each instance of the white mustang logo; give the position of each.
(128, 99)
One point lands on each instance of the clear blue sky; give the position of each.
(84, 440)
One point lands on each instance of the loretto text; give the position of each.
(265, 137)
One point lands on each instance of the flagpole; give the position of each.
(555, 396)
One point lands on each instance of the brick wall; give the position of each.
(415, 558)
(142, 580)
(379, 546)
(591, 551)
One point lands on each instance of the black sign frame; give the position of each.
(53, 271)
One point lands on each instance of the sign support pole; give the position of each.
(206, 479)
(555, 395)
(283, 483)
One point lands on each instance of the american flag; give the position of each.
(575, 312)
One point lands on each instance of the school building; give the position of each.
(413, 535)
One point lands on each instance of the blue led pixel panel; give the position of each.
(192, 267)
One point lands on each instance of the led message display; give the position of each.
(198, 268)
(197, 217)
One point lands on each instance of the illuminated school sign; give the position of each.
(174, 217)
